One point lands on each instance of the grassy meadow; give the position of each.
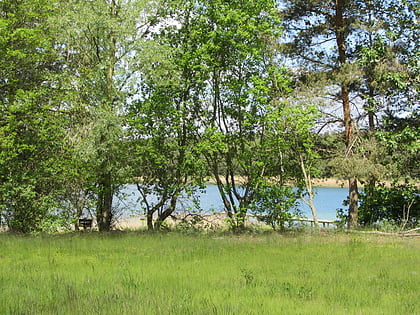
(171, 273)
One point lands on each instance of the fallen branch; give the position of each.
(405, 234)
(413, 230)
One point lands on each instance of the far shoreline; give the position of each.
(316, 182)
(329, 182)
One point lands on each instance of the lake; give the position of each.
(326, 201)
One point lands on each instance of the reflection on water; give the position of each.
(326, 201)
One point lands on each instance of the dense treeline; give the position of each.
(167, 94)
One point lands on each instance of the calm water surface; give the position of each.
(327, 201)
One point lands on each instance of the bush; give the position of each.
(275, 205)
(398, 203)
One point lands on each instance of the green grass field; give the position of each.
(139, 273)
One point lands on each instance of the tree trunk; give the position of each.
(370, 186)
(149, 220)
(105, 192)
(308, 185)
(353, 205)
(104, 203)
(353, 190)
(79, 213)
(341, 33)
(220, 187)
(165, 214)
(240, 217)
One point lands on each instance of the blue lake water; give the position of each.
(327, 201)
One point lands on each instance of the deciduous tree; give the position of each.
(101, 42)
(32, 123)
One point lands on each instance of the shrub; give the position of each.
(398, 203)
(275, 205)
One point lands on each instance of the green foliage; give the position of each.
(368, 160)
(32, 162)
(32, 123)
(102, 43)
(401, 141)
(275, 205)
(95, 94)
(56, 222)
(164, 122)
(399, 203)
(224, 76)
(367, 50)
(326, 146)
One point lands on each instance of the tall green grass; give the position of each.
(137, 273)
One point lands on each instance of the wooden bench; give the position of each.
(85, 223)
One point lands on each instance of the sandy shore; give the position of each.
(207, 221)
(131, 223)
(320, 182)
(317, 182)
(330, 183)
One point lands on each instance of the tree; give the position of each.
(399, 131)
(163, 121)
(320, 34)
(228, 55)
(303, 143)
(243, 83)
(223, 90)
(33, 122)
(354, 45)
(101, 42)
(290, 132)
(389, 60)
(166, 161)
